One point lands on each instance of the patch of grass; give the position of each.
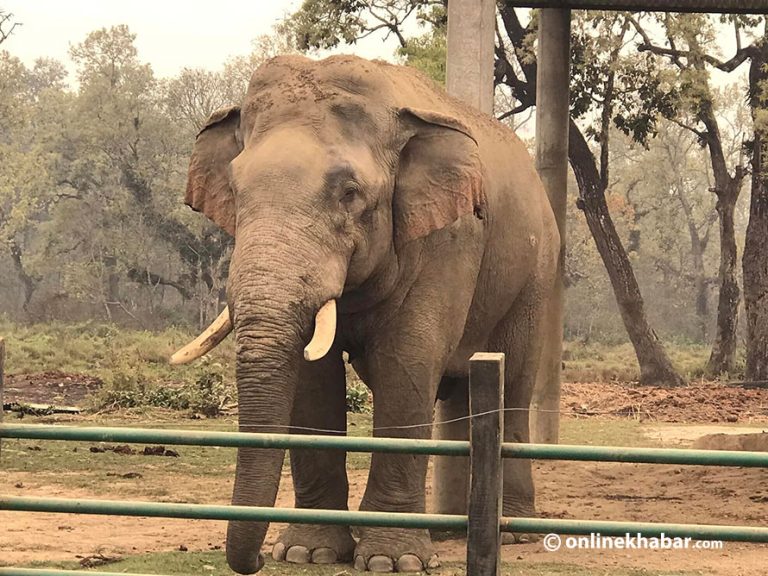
(72, 464)
(598, 363)
(595, 362)
(359, 425)
(133, 366)
(214, 564)
(102, 350)
(594, 432)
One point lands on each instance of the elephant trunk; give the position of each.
(274, 295)
(266, 382)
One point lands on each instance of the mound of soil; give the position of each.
(749, 442)
(704, 402)
(59, 388)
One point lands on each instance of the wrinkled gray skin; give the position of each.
(364, 182)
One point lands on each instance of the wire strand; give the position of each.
(431, 424)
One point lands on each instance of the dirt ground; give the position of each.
(582, 490)
(697, 403)
(701, 402)
(58, 388)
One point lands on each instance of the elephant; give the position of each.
(372, 214)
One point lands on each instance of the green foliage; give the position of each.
(358, 398)
(606, 75)
(134, 388)
(324, 24)
(358, 394)
(133, 366)
(427, 53)
(210, 392)
(92, 222)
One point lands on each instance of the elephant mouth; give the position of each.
(318, 347)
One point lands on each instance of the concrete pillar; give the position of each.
(471, 40)
(552, 117)
(469, 77)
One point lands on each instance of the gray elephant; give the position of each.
(376, 215)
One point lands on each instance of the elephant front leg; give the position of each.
(403, 405)
(319, 476)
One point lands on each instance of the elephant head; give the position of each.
(324, 176)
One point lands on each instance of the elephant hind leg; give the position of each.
(319, 476)
(518, 336)
(451, 473)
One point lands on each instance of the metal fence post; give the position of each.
(486, 401)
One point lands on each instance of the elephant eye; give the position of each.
(349, 192)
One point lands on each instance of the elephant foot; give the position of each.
(518, 538)
(306, 544)
(394, 550)
(518, 509)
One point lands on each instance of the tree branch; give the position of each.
(5, 19)
(739, 58)
(144, 276)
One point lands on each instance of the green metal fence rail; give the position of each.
(389, 445)
(383, 519)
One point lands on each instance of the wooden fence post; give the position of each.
(486, 403)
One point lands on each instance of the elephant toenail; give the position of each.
(297, 555)
(360, 563)
(524, 539)
(259, 564)
(434, 562)
(508, 538)
(381, 564)
(409, 563)
(278, 552)
(323, 556)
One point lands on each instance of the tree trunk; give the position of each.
(698, 247)
(28, 282)
(702, 295)
(727, 189)
(655, 366)
(723, 355)
(755, 259)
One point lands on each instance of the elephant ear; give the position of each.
(439, 177)
(208, 189)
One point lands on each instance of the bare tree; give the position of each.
(7, 25)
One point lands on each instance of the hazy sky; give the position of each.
(171, 34)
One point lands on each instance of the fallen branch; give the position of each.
(40, 409)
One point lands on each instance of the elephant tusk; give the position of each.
(207, 341)
(325, 332)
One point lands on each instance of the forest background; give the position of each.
(667, 204)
